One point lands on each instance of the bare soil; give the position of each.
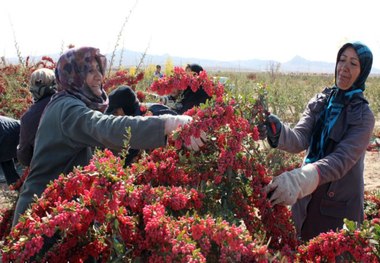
(372, 171)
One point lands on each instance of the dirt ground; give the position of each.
(372, 167)
(372, 171)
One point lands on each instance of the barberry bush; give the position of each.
(177, 205)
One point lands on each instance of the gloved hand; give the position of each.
(262, 129)
(168, 100)
(273, 125)
(172, 122)
(286, 188)
(197, 143)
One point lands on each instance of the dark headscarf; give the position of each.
(337, 101)
(71, 72)
(365, 59)
(124, 97)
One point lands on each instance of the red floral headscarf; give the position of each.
(71, 72)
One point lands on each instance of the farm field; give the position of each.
(174, 205)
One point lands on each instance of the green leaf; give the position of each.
(350, 225)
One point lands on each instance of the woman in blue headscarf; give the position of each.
(335, 129)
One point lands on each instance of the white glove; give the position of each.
(172, 122)
(197, 143)
(293, 185)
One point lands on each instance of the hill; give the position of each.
(297, 64)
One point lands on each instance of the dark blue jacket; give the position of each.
(9, 138)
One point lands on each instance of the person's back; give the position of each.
(42, 87)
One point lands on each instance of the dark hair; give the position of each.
(194, 68)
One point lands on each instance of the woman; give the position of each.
(123, 101)
(335, 128)
(42, 87)
(181, 101)
(73, 123)
(189, 98)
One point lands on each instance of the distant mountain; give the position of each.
(297, 64)
(132, 58)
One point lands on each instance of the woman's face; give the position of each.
(189, 71)
(348, 69)
(94, 78)
(119, 112)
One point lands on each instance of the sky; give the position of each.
(206, 29)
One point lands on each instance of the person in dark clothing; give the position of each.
(123, 101)
(190, 98)
(9, 138)
(187, 99)
(335, 129)
(42, 87)
(159, 109)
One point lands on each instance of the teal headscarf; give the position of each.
(337, 100)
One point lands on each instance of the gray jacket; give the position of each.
(66, 135)
(340, 193)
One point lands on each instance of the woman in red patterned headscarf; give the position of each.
(73, 124)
